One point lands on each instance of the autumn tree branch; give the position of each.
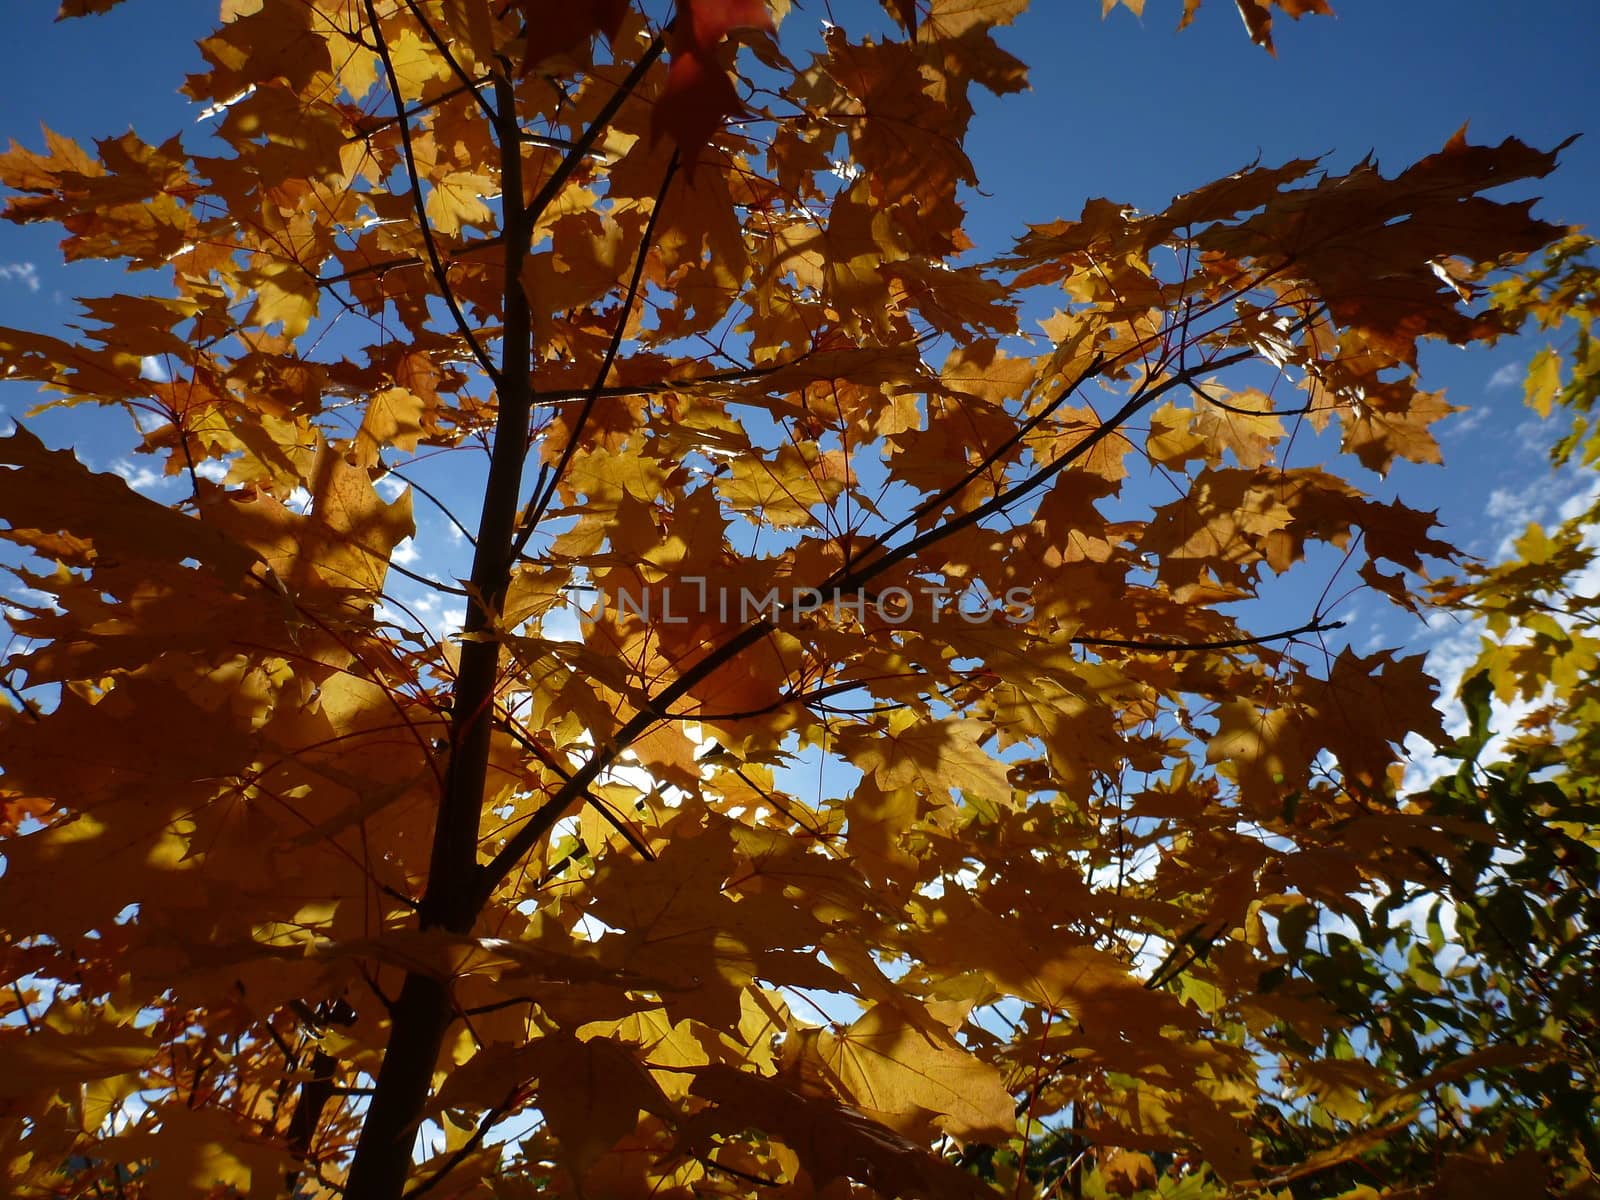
(523, 739)
(933, 503)
(466, 1149)
(366, 129)
(423, 1009)
(1240, 410)
(490, 874)
(1238, 643)
(419, 201)
(445, 510)
(591, 134)
(850, 577)
(405, 260)
(466, 82)
(541, 502)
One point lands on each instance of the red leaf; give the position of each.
(555, 30)
(707, 22)
(699, 95)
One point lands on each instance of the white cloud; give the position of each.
(1508, 376)
(561, 624)
(24, 273)
(1467, 422)
(1513, 506)
(1533, 438)
(1580, 501)
(406, 552)
(139, 477)
(1548, 498)
(151, 368)
(211, 469)
(1456, 649)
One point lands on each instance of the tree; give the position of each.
(288, 876)
(1487, 994)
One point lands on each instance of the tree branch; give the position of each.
(468, 84)
(522, 739)
(423, 1011)
(439, 504)
(420, 204)
(406, 260)
(853, 577)
(466, 1148)
(585, 143)
(27, 705)
(1249, 412)
(541, 503)
(844, 579)
(367, 129)
(1312, 626)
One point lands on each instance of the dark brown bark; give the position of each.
(423, 1011)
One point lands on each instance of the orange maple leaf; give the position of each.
(699, 95)
(558, 29)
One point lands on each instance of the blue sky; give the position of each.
(1127, 109)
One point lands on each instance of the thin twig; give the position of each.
(758, 1180)
(27, 705)
(407, 260)
(419, 203)
(436, 502)
(466, 1148)
(368, 128)
(468, 84)
(522, 739)
(1262, 639)
(22, 1007)
(541, 503)
(1250, 412)
(586, 140)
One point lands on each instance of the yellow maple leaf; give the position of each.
(456, 198)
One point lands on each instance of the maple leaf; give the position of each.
(83, 8)
(555, 32)
(699, 94)
(831, 1140)
(51, 491)
(597, 1089)
(934, 756)
(457, 198)
(899, 1075)
(50, 1057)
(1257, 15)
(394, 418)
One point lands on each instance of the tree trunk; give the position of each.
(423, 1011)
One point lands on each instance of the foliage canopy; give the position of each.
(682, 298)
